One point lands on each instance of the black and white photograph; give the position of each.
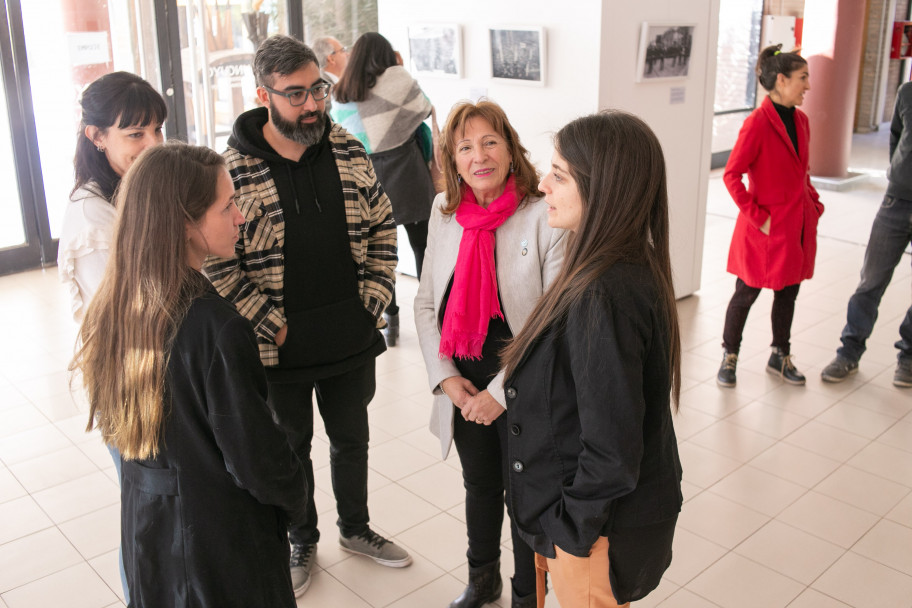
(435, 50)
(518, 54)
(664, 51)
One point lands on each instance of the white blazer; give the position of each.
(528, 255)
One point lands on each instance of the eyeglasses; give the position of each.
(343, 49)
(298, 96)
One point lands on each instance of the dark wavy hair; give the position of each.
(370, 57)
(772, 62)
(619, 169)
(119, 98)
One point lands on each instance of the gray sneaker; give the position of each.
(383, 551)
(301, 562)
(839, 369)
(903, 375)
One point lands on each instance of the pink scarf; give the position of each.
(473, 298)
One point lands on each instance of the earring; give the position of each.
(458, 179)
(511, 166)
(100, 148)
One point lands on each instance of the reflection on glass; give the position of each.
(69, 44)
(12, 232)
(344, 20)
(218, 40)
(736, 82)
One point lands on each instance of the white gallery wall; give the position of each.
(591, 64)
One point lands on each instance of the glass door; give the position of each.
(218, 39)
(24, 230)
(736, 82)
(70, 43)
(198, 53)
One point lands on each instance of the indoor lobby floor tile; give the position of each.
(797, 497)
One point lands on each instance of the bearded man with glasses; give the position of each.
(313, 270)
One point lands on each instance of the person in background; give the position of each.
(595, 477)
(379, 102)
(313, 271)
(175, 384)
(122, 115)
(332, 58)
(775, 238)
(890, 235)
(491, 254)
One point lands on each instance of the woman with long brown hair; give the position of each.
(122, 115)
(591, 378)
(175, 383)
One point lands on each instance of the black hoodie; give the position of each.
(329, 330)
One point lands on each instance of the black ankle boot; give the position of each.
(391, 333)
(526, 601)
(484, 586)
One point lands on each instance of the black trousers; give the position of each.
(417, 234)
(483, 454)
(781, 316)
(342, 401)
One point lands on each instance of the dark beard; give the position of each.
(298, 132)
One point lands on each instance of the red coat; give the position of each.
(779, 188)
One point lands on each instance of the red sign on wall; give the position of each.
(901, 48)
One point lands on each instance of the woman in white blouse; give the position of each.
(122, 115)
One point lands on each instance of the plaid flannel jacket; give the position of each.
(253, 278)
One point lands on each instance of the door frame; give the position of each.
(40, 249)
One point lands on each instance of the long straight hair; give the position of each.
(370, 57)
(119, 98)
(619, 169)
(148, 285)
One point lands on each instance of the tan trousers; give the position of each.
(579, 582)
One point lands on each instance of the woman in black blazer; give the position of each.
(595, 473)
(175, 383)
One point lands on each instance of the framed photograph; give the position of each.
(435, 50)
(518, 54)
(664, 52)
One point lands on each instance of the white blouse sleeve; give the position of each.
(84, 246)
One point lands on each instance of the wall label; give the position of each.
(677, 95)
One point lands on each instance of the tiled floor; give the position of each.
(795, 496)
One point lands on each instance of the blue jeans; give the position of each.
(123, 575)
(890, 234)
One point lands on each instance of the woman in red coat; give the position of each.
(775, 238)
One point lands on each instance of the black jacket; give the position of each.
(204, 523)
(592, 450)
(900, 171)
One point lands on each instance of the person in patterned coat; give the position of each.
(313, 271)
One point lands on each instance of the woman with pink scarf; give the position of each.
(490, 256)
